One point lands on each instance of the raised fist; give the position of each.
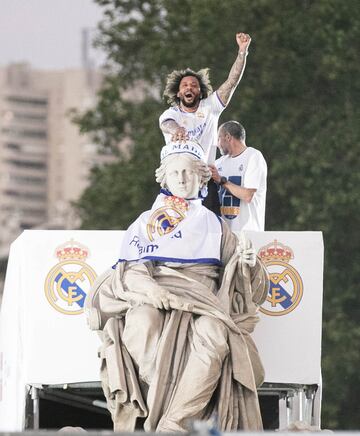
(243, 40)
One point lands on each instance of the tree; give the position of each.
(299, 103)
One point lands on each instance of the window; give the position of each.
(25, 133)
(26, 164)
(30, 101)
(13, 146)
(28, 179)
(21, 116)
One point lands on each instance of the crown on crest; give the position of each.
(276, 251)
(71, 250)
(177, 203)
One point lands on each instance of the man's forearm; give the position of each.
(172, 127)
(228, 87)
(169, 126)
(245, 194)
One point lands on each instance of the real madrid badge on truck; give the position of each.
(286, 285)
(69, 281)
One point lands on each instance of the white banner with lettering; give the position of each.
(44, 338)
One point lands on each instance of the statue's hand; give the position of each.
(248, 256)
(159, 298)
(246, 251)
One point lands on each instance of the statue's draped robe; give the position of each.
(195, 292)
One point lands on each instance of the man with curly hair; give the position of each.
(195, 108)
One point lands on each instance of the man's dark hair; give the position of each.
(173, 83)
(234, 129)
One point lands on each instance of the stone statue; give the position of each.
(177, 310)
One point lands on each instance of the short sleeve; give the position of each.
(169, 114)
(256, 172)
(214, 103)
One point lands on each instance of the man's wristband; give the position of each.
(223, 180)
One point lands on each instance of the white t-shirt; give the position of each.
(248, 170)
(201, 125)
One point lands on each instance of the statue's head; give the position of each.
(183, 170)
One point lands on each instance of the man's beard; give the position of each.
(192, 104)
(223, 151)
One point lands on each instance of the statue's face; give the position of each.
(181, 177)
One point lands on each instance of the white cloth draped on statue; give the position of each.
(174, 230)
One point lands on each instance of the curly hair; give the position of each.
(199, 165)
(173, 83)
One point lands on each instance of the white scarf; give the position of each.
(174, 230)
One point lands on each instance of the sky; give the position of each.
(45, 33)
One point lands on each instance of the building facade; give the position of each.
(44, 161)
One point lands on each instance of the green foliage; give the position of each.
(299, 102)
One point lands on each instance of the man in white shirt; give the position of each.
(241, 176)
(195, 109)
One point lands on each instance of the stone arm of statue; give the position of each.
(250, 267)
(138, 280)
(227, 89)
(247, 254)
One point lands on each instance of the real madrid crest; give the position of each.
(286, 286)
(165, 219)
(68, 282)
